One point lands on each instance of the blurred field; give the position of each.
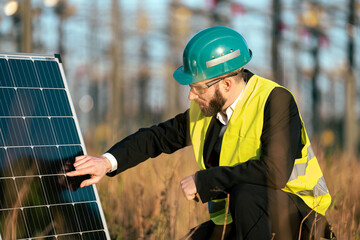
(146, 202)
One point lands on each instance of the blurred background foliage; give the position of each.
(119, 57)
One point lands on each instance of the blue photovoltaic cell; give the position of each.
(72, 237)
(40, 130)
(14, 132)
(83, 194)
(65, 130)
(56, 189)
(56, 102)
(39, 142)
(9, 194)
(7, 218)
(9, 103)
(94, 235)
(5, 78)
(24, 73)
(38, 221)
(1, 139)
(48, 160)
(32, 189)
(68, 153)
(32, 102)
(66, 218)
(49, 74)
(22, 161)
(5, 170)
(88, 213)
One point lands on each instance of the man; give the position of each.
(258, 173)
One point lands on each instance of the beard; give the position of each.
(215, 105)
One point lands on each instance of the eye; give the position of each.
(198, 89)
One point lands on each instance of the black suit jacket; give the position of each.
(280, 146)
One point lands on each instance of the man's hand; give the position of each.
(96, 167)
(188, 186)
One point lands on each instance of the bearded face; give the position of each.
(215, 105)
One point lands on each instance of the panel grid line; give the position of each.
(60, 235)
(42, 184)
(47, 205)
(44, 88)
(23, 146)
(56, 141)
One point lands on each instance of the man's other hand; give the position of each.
(96, 167)
(188, 186)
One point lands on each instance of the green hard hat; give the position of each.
(211, 53)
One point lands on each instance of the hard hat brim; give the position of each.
(182, 77)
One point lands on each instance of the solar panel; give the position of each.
(39, 140)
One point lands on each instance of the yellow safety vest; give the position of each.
(241, 142)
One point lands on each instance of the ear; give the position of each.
(227, 82)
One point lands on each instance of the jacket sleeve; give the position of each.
(280, 146)
(166, 137)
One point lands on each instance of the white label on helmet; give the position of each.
(223, 59)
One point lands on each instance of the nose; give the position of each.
(192, 95)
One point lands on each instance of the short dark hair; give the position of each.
(237, 74)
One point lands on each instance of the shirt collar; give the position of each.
(224, 117)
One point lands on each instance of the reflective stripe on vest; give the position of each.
(319, 189)
(299, 169)
(241, 142)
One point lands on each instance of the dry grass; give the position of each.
(343, 180)
(146, 202)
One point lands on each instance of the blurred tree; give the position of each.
(296, 46)
(116, 74)
(312, 22)
(63, 10)
(351, 126)
(143, 77)
(21, 15)
(26, 20)
(276, 61)
(179, 27)
(95, 115)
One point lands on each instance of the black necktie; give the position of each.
(213, 144)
